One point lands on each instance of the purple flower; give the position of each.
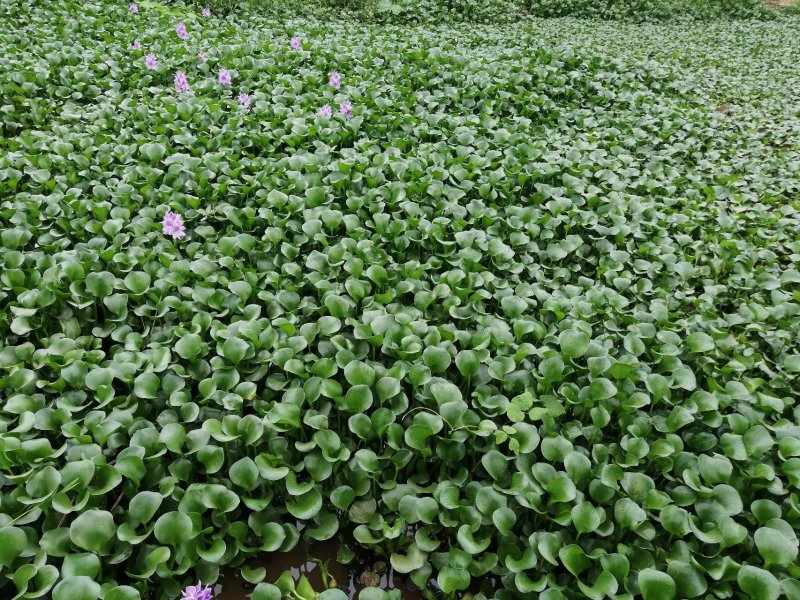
(224, 77)
(180, 29)
(244, 100)
(196, 592)
(295, 43)
(134, 9)
(325, 111)
(206, 12)
(202, 56)
(173, 225)
(335, 80)
(346, 109)
(181, 83)
(150, 62)
(137, 45)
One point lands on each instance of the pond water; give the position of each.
(365, 568)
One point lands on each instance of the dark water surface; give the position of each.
(365, 568)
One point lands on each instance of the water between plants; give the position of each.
(363, 569)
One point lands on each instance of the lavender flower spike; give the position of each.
(206, 12)
(150, 62)
(181, 83)
(173, 225)
(335, 80)
(134, 9)
(296, 43)
(196, 592)
(202, 56)
(346, 109)
(325, 111)
(244, 100)
(180, 29)
(224, 77)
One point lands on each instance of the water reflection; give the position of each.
(364, 570)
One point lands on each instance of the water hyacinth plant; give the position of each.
(207, 12)
(134, 9)
(295, 43)
(525, 326)
(202, 56)
(335, 80)
(244, 100)
(180, 30)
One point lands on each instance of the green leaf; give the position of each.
(146, 385)
(602, 389)
(451, 580)
(123, 592)
(656, 585)
(138, 282)
(305, 506)
(173, 528)
(359, 373)
(774, 547)
(412, 560)
(234, 349)
(758, 584)
(266, 591)
(93, 530)
(144, 505)
(574, 343)
(700, 342)
(244, 473)
(495, 464)
(189, 347)
(12, 543)
(76, 588)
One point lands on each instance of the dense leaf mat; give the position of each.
(530, 317)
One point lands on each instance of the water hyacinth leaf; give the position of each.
(173, 528)
(189, 346)
(78, 587)
(253, 575)
(494, 463)
(656, 585)
(774, 547)
(574, 343)
(137, 282)
(12, 542)
(452, 580)
(93, 530)
(144, 505)
(413, 559)
(305, 506)
(266, 591)
(758, 583)
(244, 473)
(235, 349)
(123, 592)
(700, 342)
(504, 519)
(358, 373)
(689, 580)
